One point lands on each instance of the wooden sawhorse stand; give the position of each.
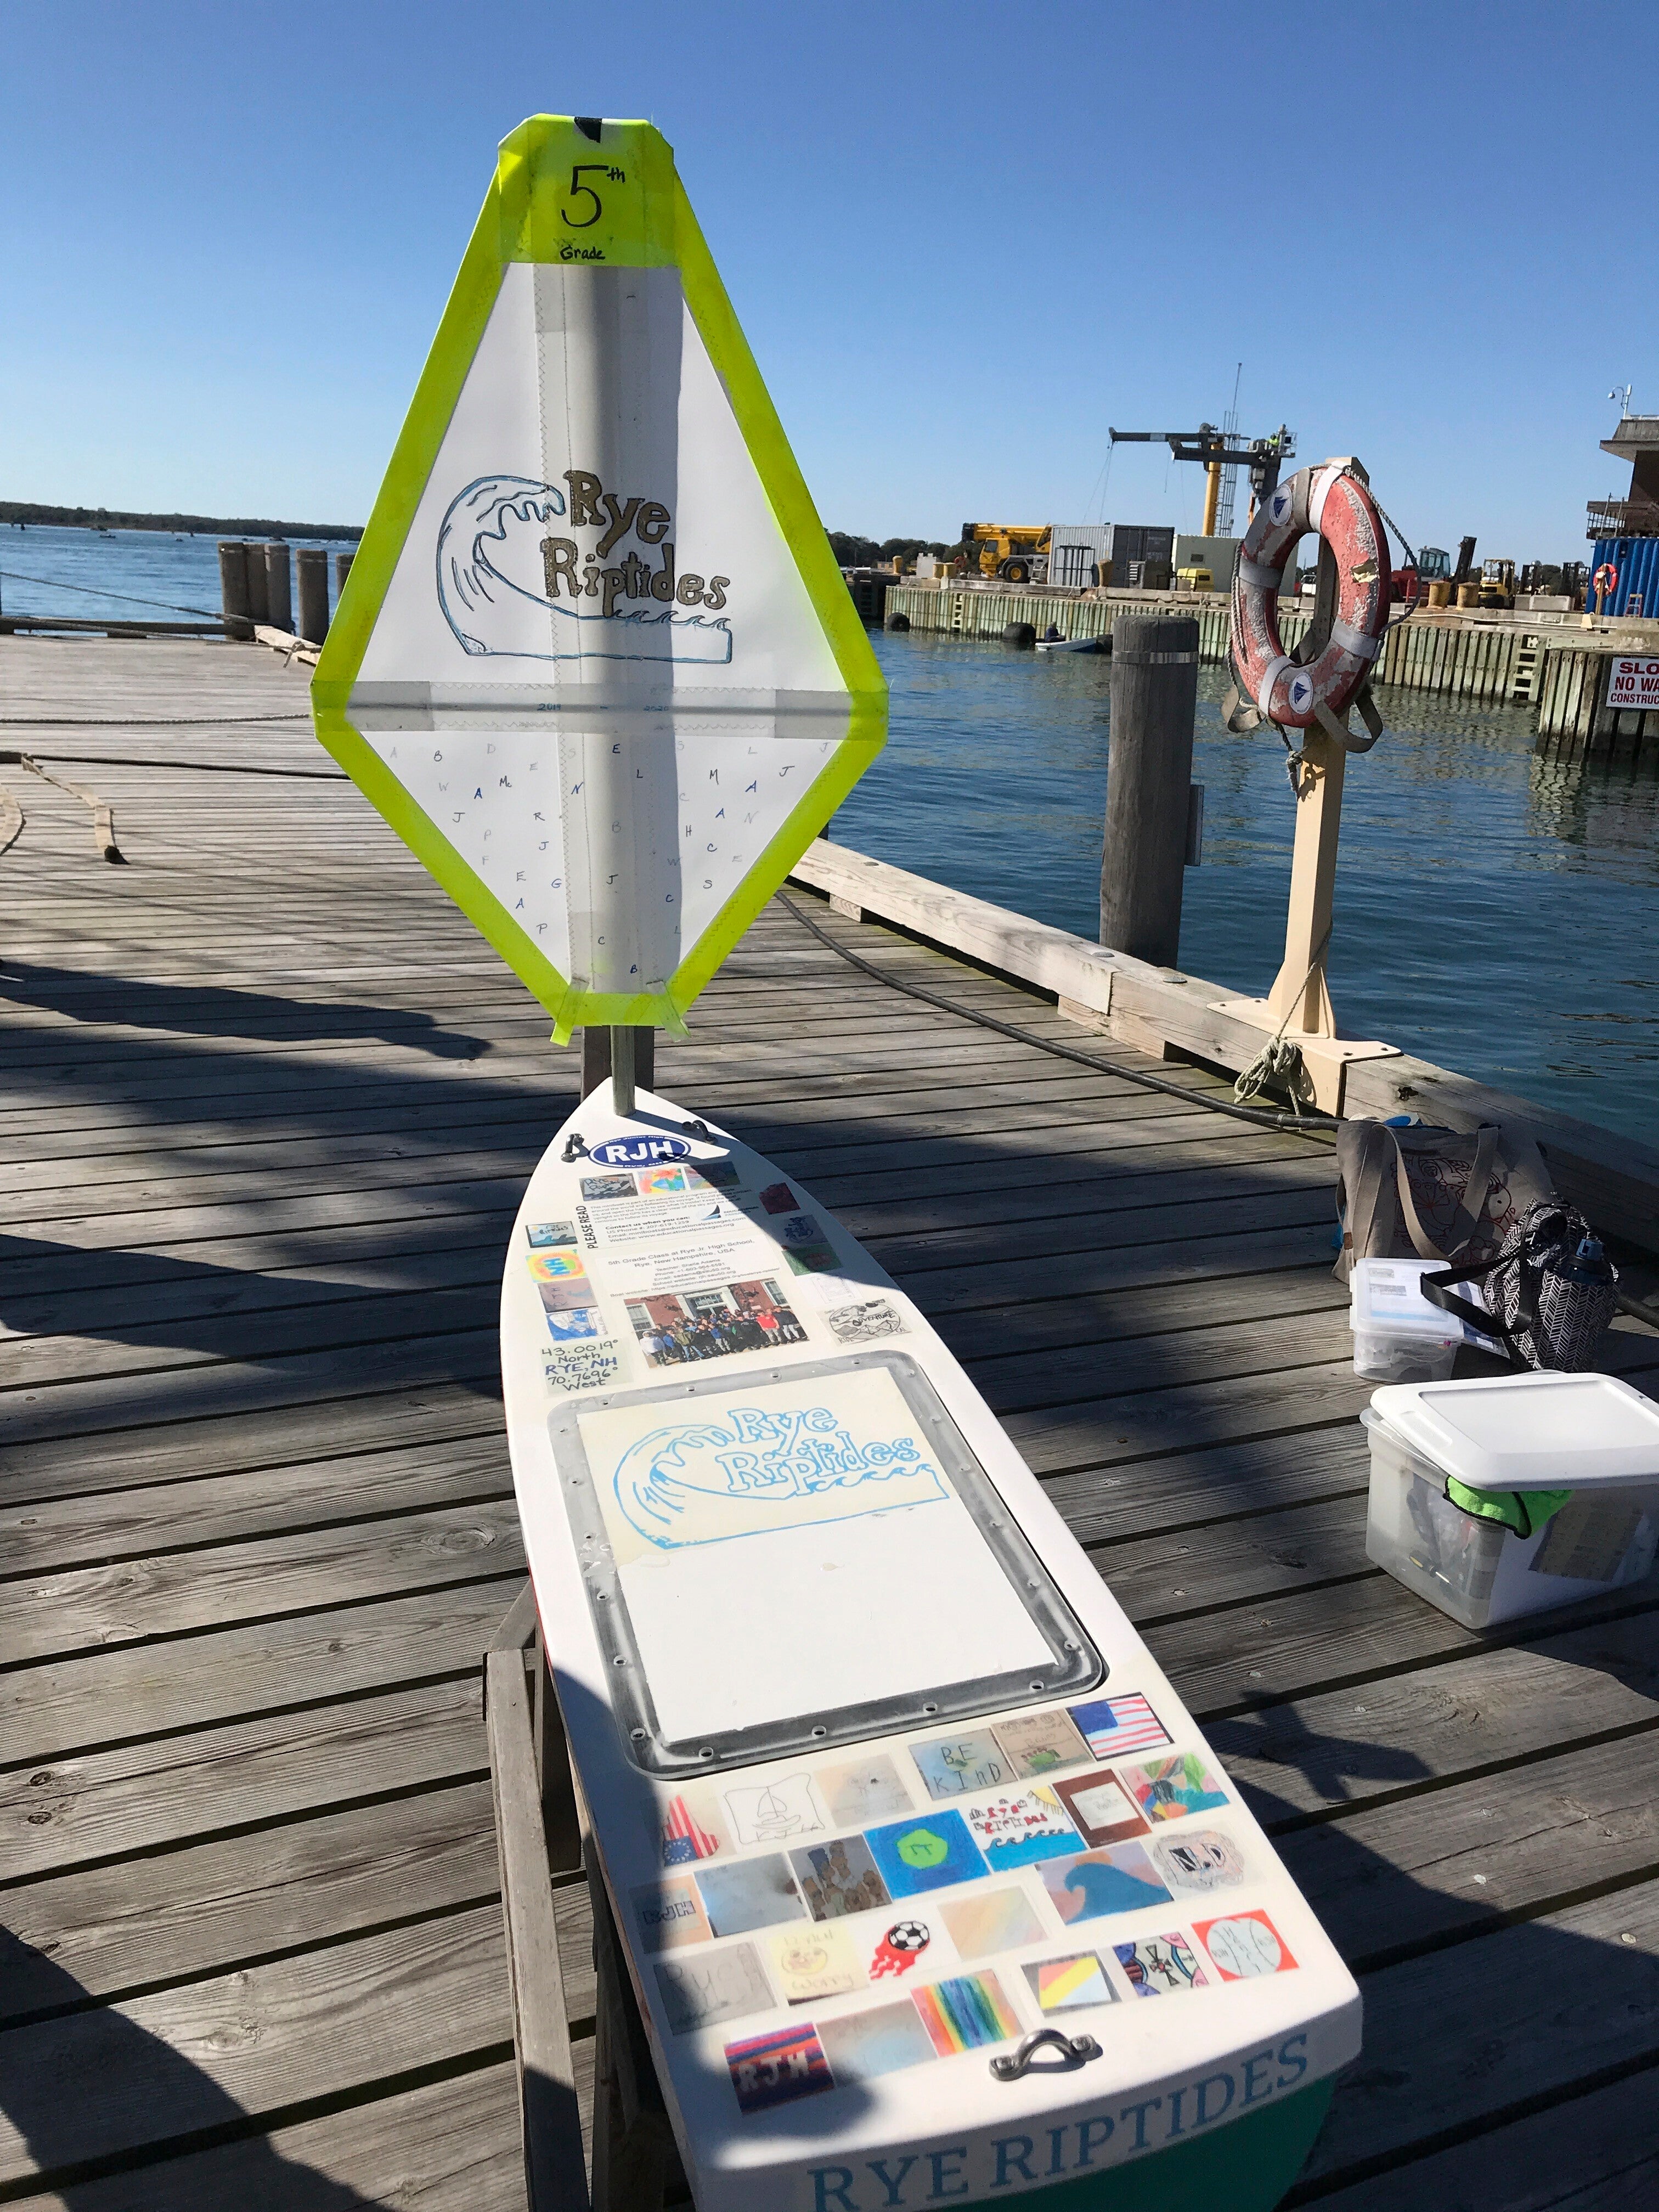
(541, 1829)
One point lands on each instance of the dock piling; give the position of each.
(258, 594)
(341, 570)
(233, 589)
(279, 589)
(1154, 700)
(310, 570)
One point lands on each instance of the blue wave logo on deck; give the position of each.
(639, 1151)
(750, 1473)
(487, 535)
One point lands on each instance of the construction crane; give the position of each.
(1216, 450)
(1016, 550)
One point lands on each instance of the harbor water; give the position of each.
(1496, 913)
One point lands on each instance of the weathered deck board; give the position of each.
(269, 1109)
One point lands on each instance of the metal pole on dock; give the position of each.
(233, 589)
(598, 1060)
(1154, 695)
(311, 568)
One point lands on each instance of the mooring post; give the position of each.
(311, 569)
(1154, 699)
(279, 589)
(258, 590)
(233, 588)
(341, 570)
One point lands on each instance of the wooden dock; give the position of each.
(271, 1104)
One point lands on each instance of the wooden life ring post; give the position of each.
(1310, 692)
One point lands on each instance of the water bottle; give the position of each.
(1576, 1301)
(1589, 1266)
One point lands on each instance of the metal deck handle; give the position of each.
(1074, 2050)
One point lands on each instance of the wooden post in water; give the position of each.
(233, 588)
(279, 589)
(311, 568)
(1154, 700)
(258, 593)
(341, 570)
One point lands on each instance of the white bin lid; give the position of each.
(1540, 1431)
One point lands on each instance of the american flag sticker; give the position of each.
(684, 1837)
(1114, 1727)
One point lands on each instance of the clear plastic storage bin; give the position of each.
(1398, 1336)
(1480, 1571)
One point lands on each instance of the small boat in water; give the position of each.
(1053, 642)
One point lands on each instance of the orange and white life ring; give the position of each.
(1331, 500)
(1604, 582)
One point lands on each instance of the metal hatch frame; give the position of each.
(1075, 1667)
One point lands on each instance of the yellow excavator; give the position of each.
(1016, 550)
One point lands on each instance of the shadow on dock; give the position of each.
(74, 2099)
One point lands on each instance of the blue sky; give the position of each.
(962, 241)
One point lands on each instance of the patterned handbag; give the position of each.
(1552, 1293)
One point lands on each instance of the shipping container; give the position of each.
(1637, 592)
(1139, 541)
(1076, 551)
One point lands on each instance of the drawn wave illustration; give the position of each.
(483, 605)
(697, 1484)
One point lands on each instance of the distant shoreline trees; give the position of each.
(855, 552)
(107, 518)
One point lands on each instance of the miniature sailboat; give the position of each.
(918, 1860)
(927, 1885)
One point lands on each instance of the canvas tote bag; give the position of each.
(1441, 1193)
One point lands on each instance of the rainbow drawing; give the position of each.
(966, 2013)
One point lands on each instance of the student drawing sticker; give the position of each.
(1101, 1808)
(1202, 1859)
(965, 2014)
(554, 1264)
(684, 1837)
(1117, 1728)
(775, 2069)
(1070, 1985)
(960, 1763)
(1172, 1788)
(838, 1878)
(774, 1812)
(1020, 1828)
(900, 1948)
(1244, 1946)
(813, 1963)
(933, 1852)
(1157, 1966)
(1120, 1878)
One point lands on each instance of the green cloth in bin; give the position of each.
(1523, 1512)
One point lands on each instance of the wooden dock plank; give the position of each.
(185, 2061)
(270, 1105)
